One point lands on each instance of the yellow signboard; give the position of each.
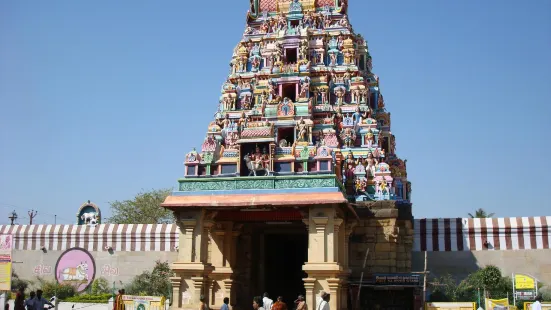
(524, 282)
(5, 262)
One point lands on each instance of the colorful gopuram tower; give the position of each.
(301, 145)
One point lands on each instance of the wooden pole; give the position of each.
(425, 281)
(361, 280)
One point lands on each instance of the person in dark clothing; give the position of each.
(19, 303)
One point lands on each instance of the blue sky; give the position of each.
(100, 99)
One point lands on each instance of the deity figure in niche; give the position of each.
(242, 123)
(249, 30)
(281, 22)
(357, 116)
(355, 95)
(324, 96)
(348, 136)
(246, 102)
(264, 99)
(333, 59)
(278, 54)
(302, 131)
(344, 21)
(326, 21)
(350, 166)
(338, 117)
(371, 163)
(346, 77)
(304, 89)
(364, 95)
(226, 122)
(255, 63)
(339, 92)
(265, 28)
(259, 157)
(369, 138)
(286, 106)
(231, 139)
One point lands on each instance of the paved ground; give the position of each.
(77, 306)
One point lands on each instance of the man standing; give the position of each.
(40, 301)
(225, 305)
(537, 305)
(29, 303)
(267, 302)
(323, 303)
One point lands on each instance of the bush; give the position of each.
(488, 278)
(100, 286)
(152, 283)
(87, 298)
(52, 288)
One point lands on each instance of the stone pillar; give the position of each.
(309, 284)
(186, 249)
(191, 268)
(198, 285)
(324, 267)
(334, 290)
(337, 240)
(176, 295)
(317, 239)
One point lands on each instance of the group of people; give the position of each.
(265, 303)
(34, 302)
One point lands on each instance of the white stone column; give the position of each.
(176, 292)
(318, 240)
(186, 252)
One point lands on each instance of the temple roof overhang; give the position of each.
(255, 200)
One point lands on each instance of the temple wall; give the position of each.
(459, 264)
(119, 267)
(389, 243)
(395, 246)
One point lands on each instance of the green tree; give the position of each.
(145, 208)
(481, 214)
(152, 283)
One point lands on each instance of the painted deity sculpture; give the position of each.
(301, 78)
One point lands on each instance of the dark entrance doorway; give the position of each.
(285, 255)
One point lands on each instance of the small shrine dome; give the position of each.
(88, 214)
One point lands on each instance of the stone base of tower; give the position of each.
(191, 280)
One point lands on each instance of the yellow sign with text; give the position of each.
(524, 282)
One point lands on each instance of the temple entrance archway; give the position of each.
(285, 254)
(279, 251)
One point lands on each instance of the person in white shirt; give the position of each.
(323, 301)
(267, 302)
(537, 305)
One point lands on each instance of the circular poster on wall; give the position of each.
(77, 267)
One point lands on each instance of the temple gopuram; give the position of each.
(297, 187)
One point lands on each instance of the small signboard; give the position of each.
(524, 282)
(397, 279)
(525, 287)
(6, 243)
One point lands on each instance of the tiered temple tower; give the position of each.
(302, 136)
